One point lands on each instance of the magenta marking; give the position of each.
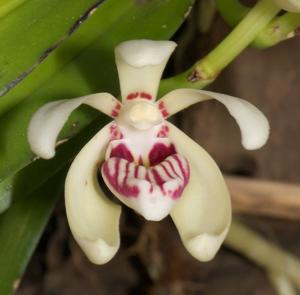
(172, 167)
(121, 151)
(114, 113)
(124, 189)
(165, 113)
(160, 152)
(162, 165)
(158, 179)
(183, 171)
(136, 171)
(161, 105)
(145, 95)
(132, 95)
(177, 193)
(163, 132)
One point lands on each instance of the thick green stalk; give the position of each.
(207, 69)
(280, 29)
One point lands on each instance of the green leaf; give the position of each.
(83, 64)
(32, 192)
(20, 229)
(91, 71)
(31, 30)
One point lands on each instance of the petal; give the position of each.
(47, 122)
(93, 219)
(203, 214)
(140, 65)
(289, 5)
(253, 124)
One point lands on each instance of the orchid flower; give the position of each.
(145, 161)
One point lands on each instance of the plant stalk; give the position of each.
(207, 69)
(269, 256)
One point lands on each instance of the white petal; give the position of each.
(203, 214)
(289, 5)
(140, 65)
(47, 122)
(253, 124)
(93, 219)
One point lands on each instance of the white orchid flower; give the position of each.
(146, 162)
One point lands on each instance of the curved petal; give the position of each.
(253, 124)
(289, 5)
(47, 122)
(140, 65)
(93, 219)
(203, 214)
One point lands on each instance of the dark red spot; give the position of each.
(122, 152)
(160, 152)
(165, 113)
(161, 105)
(163, 132)
(114, 113)
(132, 95)
(118, 106)
(146, 95)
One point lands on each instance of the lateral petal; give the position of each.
(253, 124)
(93, 218)
(203, 214)
(47, 122)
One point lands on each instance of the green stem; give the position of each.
(256, 248)
(206, 70)
(280, 29)
(243, 34)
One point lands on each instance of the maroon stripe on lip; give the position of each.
(126, 173)
(136, 171)
(158, 179)
(183, 171)
(162, 165)
(172, 167)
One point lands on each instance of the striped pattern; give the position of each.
(130, 180)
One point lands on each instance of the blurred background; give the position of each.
(152, 259)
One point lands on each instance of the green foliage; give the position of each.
(82, 64)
